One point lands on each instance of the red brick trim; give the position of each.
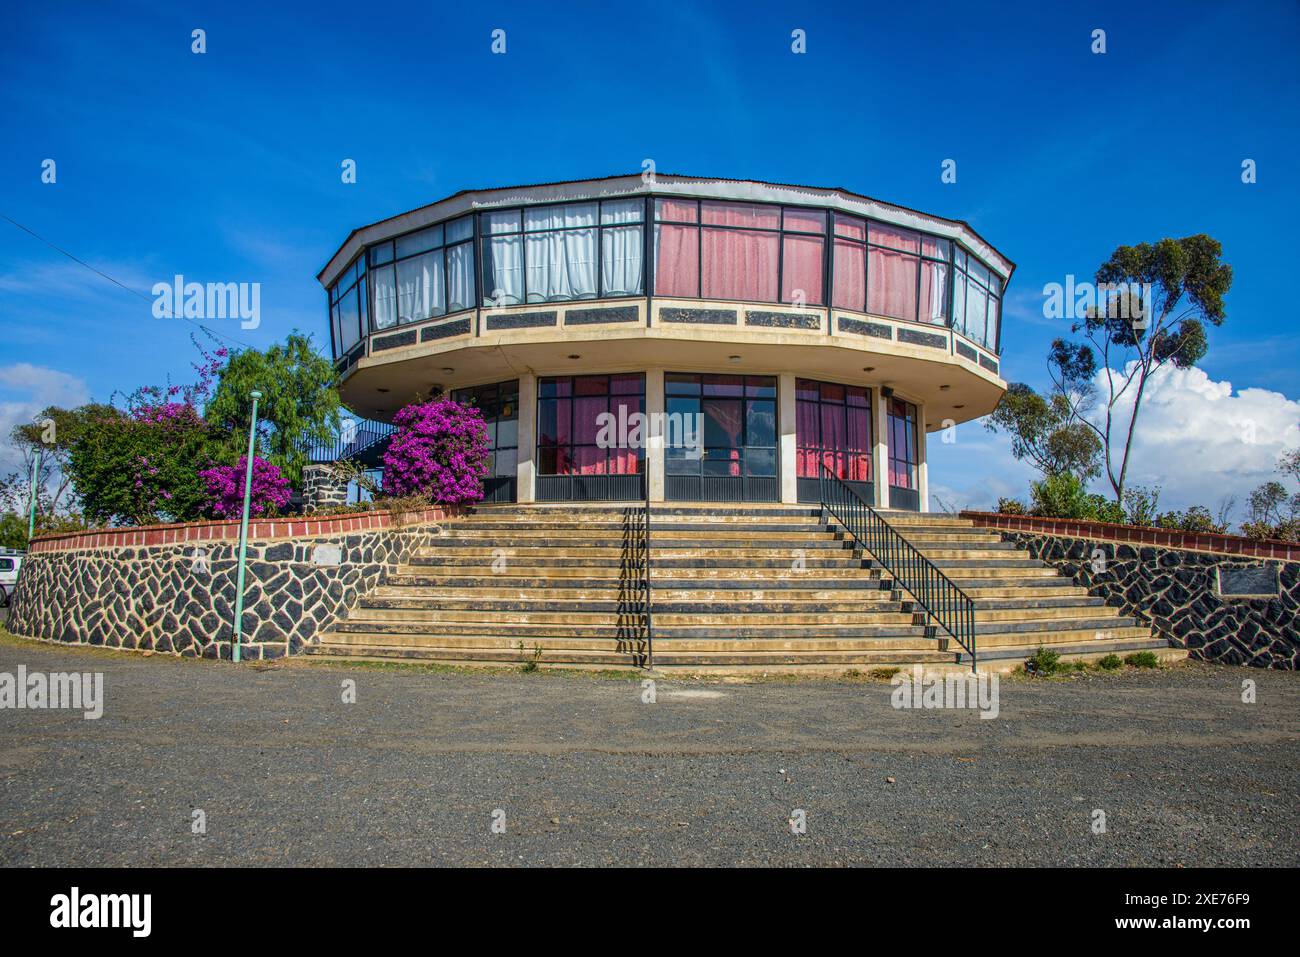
(260, 529)
(1138, 535)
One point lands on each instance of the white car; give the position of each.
(9, 563)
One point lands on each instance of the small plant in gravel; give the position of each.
(1142, 659)
(530, 660)
(1044, 662)
(884, 674)
(1110, 662)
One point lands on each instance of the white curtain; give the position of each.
(385, 297)
(420, 287)
(460, 277)
(975, 300)
(934, 283)
(620, 257)
(504, 271)
(561, 263)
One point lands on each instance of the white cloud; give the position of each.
(25, 390)
(1199, 441)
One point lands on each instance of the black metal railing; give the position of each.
(351, 442)
(636, 616)
(645, 577)
(950, 607)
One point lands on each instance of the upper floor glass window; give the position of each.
(744, 251)
(977, 301)
(348, 307)
(424, 274)
(562, 253)
(902, 443)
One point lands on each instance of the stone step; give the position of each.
(1059, 635)
(611, 576)
(739, 550)
(871, 593)
(633, 628)
(633, 602)
(724, 645)
(632, 616)
(705, 536)
(789, 563)
(730, 662)
(1066, 648)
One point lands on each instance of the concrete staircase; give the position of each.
(735, 588)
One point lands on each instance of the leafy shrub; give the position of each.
(1196, 519)
(440, 450)
(1142, 659)
(1110, 662)
(270, 489)
(1012, 506)
(1044, 662)
(1287, 531)
(1061, 496)
(140, 467)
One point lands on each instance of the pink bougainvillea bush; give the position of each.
(226, 488)
(440, 449)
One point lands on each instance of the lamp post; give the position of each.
(243, 530)
(31, 508)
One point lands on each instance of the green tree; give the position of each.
(13, 530)
(1043, 433)
(134, 470)
(1155, 300)
(299, 402)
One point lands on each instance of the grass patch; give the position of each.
(1044, 662)
(884, 674)
(1110, 662)
(1142, 659)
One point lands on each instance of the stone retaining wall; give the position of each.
(1178, 590)
(171, 589)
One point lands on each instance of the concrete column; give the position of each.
(655, 407)
(922, 472)
(787, 453)
(527, 472)
(881, 484)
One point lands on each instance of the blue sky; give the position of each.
(225, 166)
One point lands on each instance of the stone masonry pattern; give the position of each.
(179, 598)
(1175, 590)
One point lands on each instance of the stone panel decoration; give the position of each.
(396, 341)
(445, 330)
(1179, 590)
(930, 339)
(876, 330)
(782, 320)
(717, 317)
(171, 589)
(522, 320)
(587, 317)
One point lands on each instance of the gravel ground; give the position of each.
(587, 774)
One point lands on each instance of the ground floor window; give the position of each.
(902, 444)
(737, 415)
(572, 412)
(833, 426)
(499, 403)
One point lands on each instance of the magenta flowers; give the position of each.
(439, 450)
(226, 487)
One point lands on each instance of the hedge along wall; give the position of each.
(1225, 598)
(171, 588)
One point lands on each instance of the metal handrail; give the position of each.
(649, 611)
(950, 607)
